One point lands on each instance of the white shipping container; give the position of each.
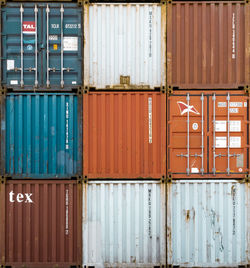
(208, 223)
(124, 224)
(125, 46)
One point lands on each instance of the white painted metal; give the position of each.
(208, 223)
(124, 224)
(124, 40)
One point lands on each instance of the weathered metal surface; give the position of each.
(125, 40)
(124, 224)
(124, 135)
(208, 44)
(208, 134)
(42, 45)
(42, 135)
(40, 223)
(208, 223)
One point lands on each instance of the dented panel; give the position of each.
(124, 224)
(208, 223)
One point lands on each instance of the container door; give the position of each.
(228, 134)
(63, 36)
(187, 134)
(21, 36)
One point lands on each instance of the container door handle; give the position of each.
(36, 51)
(48, 69)
(21, 13)
(62, 69)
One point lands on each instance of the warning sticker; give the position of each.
(194, 170)
(235, 126)
(10, 65)
(70, 43)
(235, 142)
(221, 142)
(220, 126)
(29, 27)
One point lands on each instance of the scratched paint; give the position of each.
(207, 223)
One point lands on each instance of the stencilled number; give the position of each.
(55, 26)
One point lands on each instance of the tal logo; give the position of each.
(29, 27)
(26, 198)
(184, 108)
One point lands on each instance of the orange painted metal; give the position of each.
(225, 143)
(124, 135)
(40, 223)
(208, 44)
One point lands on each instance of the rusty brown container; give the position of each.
(40, 223)
(208, 44)
(208, 134)
(125, 135)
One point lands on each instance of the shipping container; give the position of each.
(208, 223)
(125, 46)
(41, 135)
(42, 45)
(208, 134)
(208, 44)
(40, 223)
(124, 224)
(124, 135)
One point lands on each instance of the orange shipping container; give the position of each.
(208, 44)
(40, 223)
(208, 134)
(125, 135)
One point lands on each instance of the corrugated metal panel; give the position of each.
(54, 64)
(208, 44)
(125, 135)
(207, 223)
(125, 40)
(124, 224)
(41, 223)
(208, 134)
(42, 135)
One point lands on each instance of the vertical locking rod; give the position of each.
(214, 155)
(228, 134)
(188, 170)
(202, 134)
(21, 13)
(36, 50)
(47, 12)
(62, 68)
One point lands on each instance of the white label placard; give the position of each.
(236, 104)
(235, 126)
(221, 142)
(235, 142)
(194, 170)
(222, 104)
(13, 82)
(53, 37)
(10, 65)
(234, 110)
(245, 104)
(220, 126)
(70, 43)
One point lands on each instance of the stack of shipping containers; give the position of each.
(41, 107)
(124, 135)
(208, 76)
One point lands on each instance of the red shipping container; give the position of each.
(124, 135)
(40, 223)
(208, 44)
(208, 134)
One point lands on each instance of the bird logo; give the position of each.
(184, 108)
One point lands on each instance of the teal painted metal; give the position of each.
(42, 135)
(28, 29)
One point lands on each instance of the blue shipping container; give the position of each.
(28, 30)
(41, 135)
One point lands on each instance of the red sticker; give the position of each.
(29, 27)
